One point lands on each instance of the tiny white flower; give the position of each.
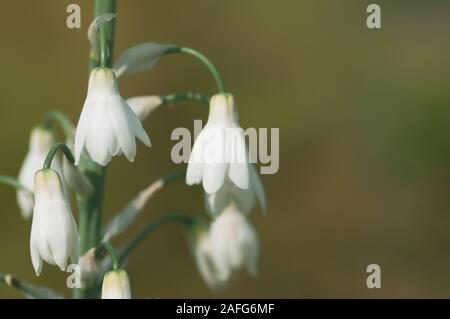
(116, 285)
(107, 125)
(244, 198)
(142, 106)
(54, 234)
(219, 151)
(229, 246)
(41, 140)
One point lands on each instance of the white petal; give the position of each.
(137, 125)
(101, 140)
(35, 256)
(214, 176)
(237, 157)
(81, 131)
(195, 167)
(123, 128)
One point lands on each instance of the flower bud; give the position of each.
(88, 268)
(142, 106)
(116, 285)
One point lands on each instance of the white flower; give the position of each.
(229, 246)
(116, 285)
(219, 151)
(54, 234)
(107, 124)
(142, 106)
(244, 198)
(41, 140)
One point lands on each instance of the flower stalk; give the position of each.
(113, 255)
(207, 62)
(90, 208)
(128, 247)
(184, 96)
(55, 148)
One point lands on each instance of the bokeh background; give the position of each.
(364, 136)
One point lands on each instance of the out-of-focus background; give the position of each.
(364, 137)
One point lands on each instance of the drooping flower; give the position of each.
(41, 140)
(107, 126)
(54, 234)
(219, 151)
(116, 285)
(229, 245)
(216, 203)
(142, 106)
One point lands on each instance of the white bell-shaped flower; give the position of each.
(41, 140)
(107, 125)
(230, 245)
(219, 150)
(54, 234)
(116, 285)
(216, 203)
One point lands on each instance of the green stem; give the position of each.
(112, 254)
(63, 121)
(207, 62)
(55, 148)
(90, 208)
(10, 181)
(172, 177)
(127, 248)
(184, 96)
(103, 46)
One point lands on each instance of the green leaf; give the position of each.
(28, 290)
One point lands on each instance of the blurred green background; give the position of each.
(364, 136)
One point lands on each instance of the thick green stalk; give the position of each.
(90, 208)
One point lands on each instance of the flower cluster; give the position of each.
(107, 127)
